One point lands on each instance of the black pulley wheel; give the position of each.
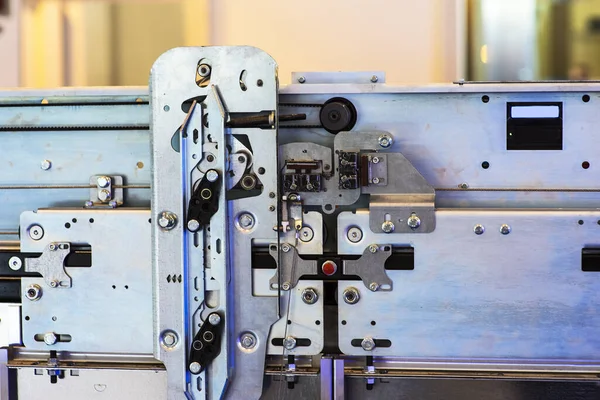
(338, 114)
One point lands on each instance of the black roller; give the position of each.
(338, 114)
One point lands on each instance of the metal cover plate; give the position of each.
(490, 296)
(109, 307)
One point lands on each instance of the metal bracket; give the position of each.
(370, 267)
(292, 267)
(107, 193)
(51, 264)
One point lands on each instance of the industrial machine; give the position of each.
(222, 237)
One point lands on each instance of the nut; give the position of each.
(385, 141)
(50, 338)
(505, 229)
(289, 343)
(479, 229)
(214, 319)
(103, 181)
(15, 263)
(355, 234)
(310, 296)
(195, 367)
(33, 292)
(246, 221)
(248, 340)
(169, 339)
(387, 227)
(351, 295)
(368, 344)
(167, 220)
(413, 221)
(46, 165)
(36, 232)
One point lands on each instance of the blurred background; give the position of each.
(48, 43)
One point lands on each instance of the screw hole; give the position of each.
(485, 98)
(27, 318)
(166, 108)
(67, 225)
(259, 83)
(373, 323)
(210, 158)
(317, 322)
(585, 98)
(580, 222)
(114, 287)
(261, 171)
(126, 287)
(328, 207)
(74, 220)
(91, 220)
(53, 318)
(485, 165)
(344, 322)
(585, 164)
(149, 220)
(289, 322)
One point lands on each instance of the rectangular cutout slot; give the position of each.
(402, 259)
(590, 259)
(534, 126)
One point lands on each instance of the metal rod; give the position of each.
(8, 233)
(5, 187)
(517, 190)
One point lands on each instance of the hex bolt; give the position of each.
(375, 160)
(214, 319)
(33, 292)
(248, 340)
(167, 220)
(169, 339)
(387, 227)
(204, 70)
(413, 221)
(310, 296)
(195, 367)
(46, 165)
(104, 195)
(463, 186)
(301, 79)
(289, 343)
(351, 295)
(306, 234)
(103, 181)
(285, 286)
(15, 263)
(374, 286)
(36, 232)
(373, 248)
(479, 229)
(212, 175)
(355, 234)
(193, 225)
(375, 180)
(50, 338)
(505, 229)
(374, 78)
(368, 344)
(285, 247)
(246, 221)
(385, 141)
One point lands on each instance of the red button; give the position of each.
(329, 268)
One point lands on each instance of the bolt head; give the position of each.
(50, 338)
(374, 78)
(375, 180)
(271, 208)
(285, 247)
(46, 165)
(306, 234)
(15, 263)
(373, 248)
(387, 227)
(89, 203)
(36, 232)
(167, 220)
(351, 295)
(104, 195)
(246, 221)
(375, 160)
(479, 229)
(52, 247)
(33, 292)
(54, 284)
(355, 234)
(285, 286)
(289, 343)
(248, 341)
(374, 286)
(193, 225)
(212, 175)
(301, 79)
(505, 229)
(195, 367)
(103, 181)
(414, 221)
(170, 339)
(214, 319)
(385, 141)
(368, 344)
(310, 296)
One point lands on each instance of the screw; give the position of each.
(214, 319)
(103, 181)
(193, 225)
(248, 340)
(351, 295)
(285, 247)
(505, 229)
(104, 195)
(167, 220)
(36, 232)
(285, 286)
(272, 195)
(387, 227)
(385, 141)
(212, 175)
(246, 220)
(368, 344)
(306, 234)
(375, 180)
(52, 247)
(374, 78)
(89, 203)
(289, 343)
(301, 79)
(310, 296)
(374, 286)
(463, 186)
(271, 208)
(112, 204)
(50, 338)
(204, 70)
(46, 165)
(33, 292)
(479, 229)
(15, 263)
(170, 339)
(375, 160)
(195, 367)
(354, 234)
(373, 248)
(54, 284)
(413, 221)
